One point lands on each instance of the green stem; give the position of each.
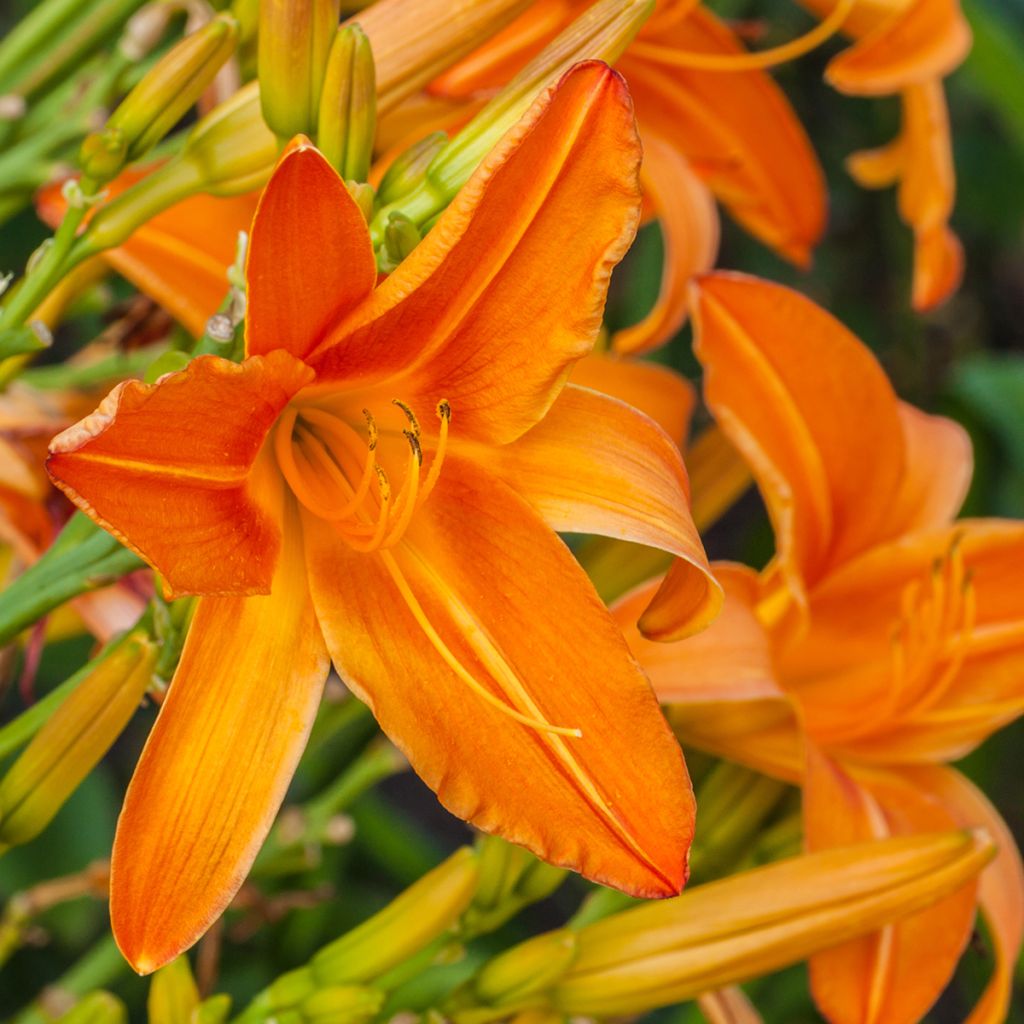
(121, 365)
(30, 36)
(65, 571)
(36, 285)
(378, 762)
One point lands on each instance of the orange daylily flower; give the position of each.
(31, 511)
(883, 641)
(376, 484)
(907, 48)
(733, 134)
(180, 257)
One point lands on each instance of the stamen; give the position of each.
(325, 421)
(823, 31)
(405, 507)
(453, 662)
(409, 415)
(444, 413)
(383, 517)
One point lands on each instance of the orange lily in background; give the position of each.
(906, 49)
(377, 483)
(733, 134)
(883, 640)
(180, 257)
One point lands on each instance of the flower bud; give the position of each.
(531, 967)
(749, 924)
(342, 1004)
(230, 151)
(413, 42)
(96, 1008)
(160, 99)
(173, 995)
(602, 32)
(407, 170)
(401, 236)
(232, 146)
(214, 1010)
(75, 738)
(421, 914)
(294, 40)
(347, 120)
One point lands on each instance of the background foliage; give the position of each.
(966, 360)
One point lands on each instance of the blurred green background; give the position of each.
(966, 360)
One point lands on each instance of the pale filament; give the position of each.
(937, 626)
(315, 452)
(464, 675)
(929, 645)
(698, 61)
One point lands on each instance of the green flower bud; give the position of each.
(348, 105)
(421, 914)
(294, 40)
(161, 98)
(74, 740)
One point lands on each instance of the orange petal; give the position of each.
(596, 465)
(493, 307)
(720, 684)
(187, 508)
(490, 66)
(938, 268)
(812, 412)
(893, 976)
(217, 763)
(310, 258)
(180, 257)
(737, 130)
(481, 578)
(922, 39)
(729, 662)
(664, 395)
(949, 695)
(939, 467)
(1001, 890)
(689, 226)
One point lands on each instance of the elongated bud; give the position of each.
(214, 1010)
(75, 738)
(424, 912)
(749, 924)
(230, 151)
(294, 40)
(602, 32)
(401, 236)
(342, 1004)
(96, 1008)
(510, 879)
(173, 995)
(413, 42)
(232, 148)
(347, 120)
(531, 967)
(161, 99)
(408, 169)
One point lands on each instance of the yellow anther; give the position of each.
(371, 429)
(414, 444)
